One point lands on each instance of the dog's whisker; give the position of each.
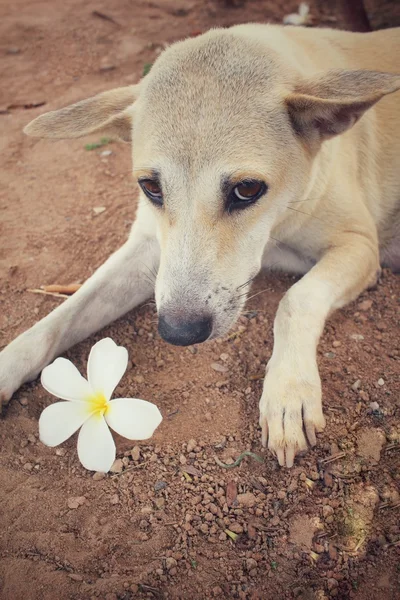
(258, 293)
(246, 282)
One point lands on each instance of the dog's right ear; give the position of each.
(107, 113)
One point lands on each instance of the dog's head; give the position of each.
(224, 134)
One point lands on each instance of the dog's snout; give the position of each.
(185, 331)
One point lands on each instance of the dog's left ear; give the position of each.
(322, 108)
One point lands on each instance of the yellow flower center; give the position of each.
(98, 404)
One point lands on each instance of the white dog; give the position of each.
(236, 149)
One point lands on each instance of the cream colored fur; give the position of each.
(281, 105)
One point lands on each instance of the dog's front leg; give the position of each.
(292, 388)
(124, 281)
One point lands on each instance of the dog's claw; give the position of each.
(290, 454)
(280, 454)
(264, 433)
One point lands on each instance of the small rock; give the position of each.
(75, 577)
(219, 368)
(107, 67)
(98, 476)
(374, 406)
(208, 416)
(106, 153)
(114, 499)
(330, 354)
(23, 401)
(98, 210)
(251, 564)
(251, 531)
(332, 583)
(61, 451)
(138, 379)
(327, 510)
(248, 499)
(75, 501)
(31, 439)
(356, 385)
(159, 485)
(336, 344)
(182, 459)
(13, 50)
(117, 466)
(370, 443)
(236, 527)
(363, 395)
(224, 356)
(191, 445)
(333, 554)
(135, 453)
(170, 563)
(357, 337)
(365, 305)
(28, 466)
(381, 382)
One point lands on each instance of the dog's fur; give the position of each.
(261, 102)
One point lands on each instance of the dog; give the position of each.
(257, 146)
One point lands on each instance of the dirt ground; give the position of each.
(329, 527)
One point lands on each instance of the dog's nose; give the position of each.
(184, 332)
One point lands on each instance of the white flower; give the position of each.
(300, 18)
(90, 407)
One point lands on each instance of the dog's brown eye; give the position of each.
(153, 191)
(245, 193)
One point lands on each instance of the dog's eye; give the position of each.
(153, 191)
(245, 193)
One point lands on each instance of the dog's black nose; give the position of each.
(184, 332)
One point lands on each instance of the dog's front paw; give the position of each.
(290, 410)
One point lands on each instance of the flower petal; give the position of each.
(96, 448)
(62, 379)
(133, 418)
(60, 420)
(106, 365)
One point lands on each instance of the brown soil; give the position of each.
(320, 530)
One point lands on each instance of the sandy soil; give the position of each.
(328, 528)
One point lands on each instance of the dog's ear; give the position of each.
(106, 113)
(322, 108)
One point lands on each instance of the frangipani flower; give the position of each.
(89, 406)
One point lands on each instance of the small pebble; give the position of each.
(356, 385)
(23, 401)
(248, 499)
(191, 445)
(135, 453)
(98, 210)
(219, 368)
(365, 305)
(75, 501)
(106, 153)
(381, 382)
(117, 466)
(160, 485)
(170, 562)
(357, 337)
(98, 476)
